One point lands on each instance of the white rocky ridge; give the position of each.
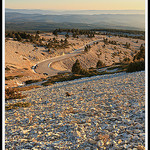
(103, 112)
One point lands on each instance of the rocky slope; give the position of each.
(101, 112)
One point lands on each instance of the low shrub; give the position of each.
(9, 78)
(32, 81)
(100, 64)
(7, 69)
(136, 66)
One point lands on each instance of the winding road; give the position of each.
(44, 67)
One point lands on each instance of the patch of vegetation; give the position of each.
(115, 47)
(26, 88)
(114, 54)
(105, 41)
(7, 68)
(75, 32)
(87, 48)
(138, 63)
(9, 78)
(136, 66)
(12, 93)
(126, 59)
(32, 81)
(122, 67)
(56, 44)
(25, 68)
(17, 105)
(61, 78)
(69, 77)
(13, 77)
(37, 40)
(112, 42)
(123, 33)
(127, 45)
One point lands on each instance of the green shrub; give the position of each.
(136, 66)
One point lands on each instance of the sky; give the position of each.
(76, 4)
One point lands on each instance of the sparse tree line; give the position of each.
(75, 32)
(106, 41)
(142, 37)
(121, 33)
(37, 40)
(127, 45)
(56, 44)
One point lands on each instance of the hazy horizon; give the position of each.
(76, 9)
(76, 5)
(89, 12)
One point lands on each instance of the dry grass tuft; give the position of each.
(12, 93)
(17, 105)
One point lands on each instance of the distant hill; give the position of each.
(120, 21)
(85, 12)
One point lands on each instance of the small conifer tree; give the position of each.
(76, 68)
(100, 64)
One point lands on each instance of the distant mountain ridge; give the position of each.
(126, 21)
(62, 12)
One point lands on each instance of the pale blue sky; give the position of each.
(76, 4)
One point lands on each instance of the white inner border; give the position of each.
(146, 74)
(3, 74)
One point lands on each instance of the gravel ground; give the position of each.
(101, 112)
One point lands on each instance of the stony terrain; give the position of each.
(101, 112)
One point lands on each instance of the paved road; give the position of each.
(45, 66)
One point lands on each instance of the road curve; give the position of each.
(45, 66)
